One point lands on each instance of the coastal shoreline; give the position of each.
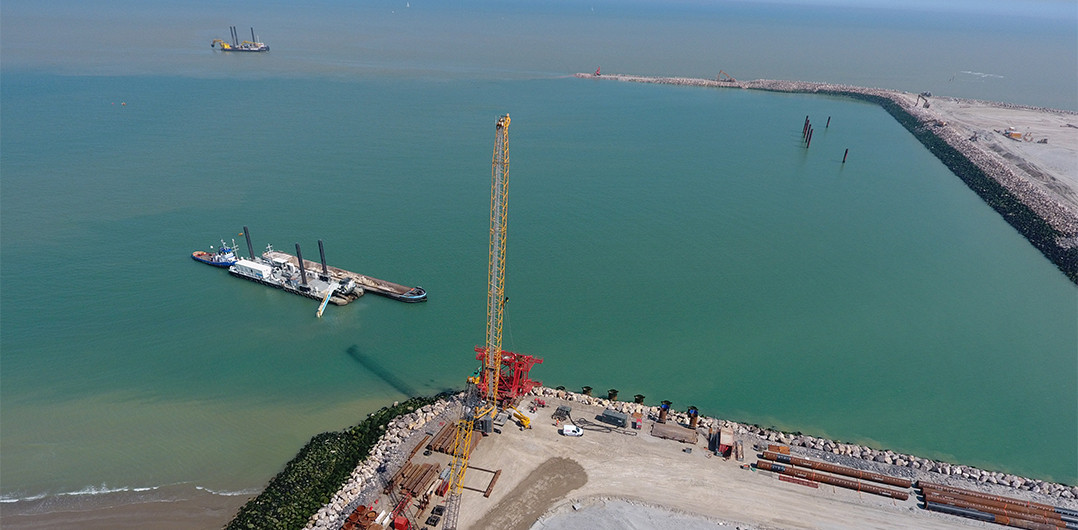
(405, 433)
(168, 507)
(1038, 199)
(402, 434)
(1047, 221)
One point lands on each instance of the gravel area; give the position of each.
(620, 514)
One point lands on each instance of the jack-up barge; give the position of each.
(332, 285)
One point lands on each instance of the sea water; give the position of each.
(675, 242)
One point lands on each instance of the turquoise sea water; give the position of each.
(669, 241)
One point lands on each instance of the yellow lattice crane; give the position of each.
(481, 397)
(499, 211)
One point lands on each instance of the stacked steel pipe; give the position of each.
(831, 479)
(997, 509)
(360, 519)
(841, 470)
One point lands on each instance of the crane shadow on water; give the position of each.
(383, 373)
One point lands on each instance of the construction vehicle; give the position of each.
(398, 520)
(724, 77)
(236, 46)
(1013, 134)
(923, 95)
(524, 421)
(503, 377)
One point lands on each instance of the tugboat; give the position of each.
(236, 46)
(415, 294)
(224, 256)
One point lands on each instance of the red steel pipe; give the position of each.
(1011, 511)
(841, 470)
(830, 479)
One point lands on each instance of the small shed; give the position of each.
(670, 431)
(615, 418)
(726, 441)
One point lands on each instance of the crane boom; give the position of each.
(499, 211)
(475, 407)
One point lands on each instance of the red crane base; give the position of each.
(513, 381)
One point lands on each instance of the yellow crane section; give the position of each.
(499, 211)
(477, 407)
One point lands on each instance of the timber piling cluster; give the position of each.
(806, 132)
(1048, 224)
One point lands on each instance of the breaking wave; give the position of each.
(981, 74)
(103, 489)
(249, 491)
(171, 491)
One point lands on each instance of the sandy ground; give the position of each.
(617, 514)
(1052, 166)
(205, 511)
(603, 477)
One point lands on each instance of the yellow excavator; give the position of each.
(224, 45)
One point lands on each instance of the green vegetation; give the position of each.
(309, 481)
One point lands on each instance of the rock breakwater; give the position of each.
(848, 454)
(387, 455)
(404, 433)
(1048, 223)
(309, 480)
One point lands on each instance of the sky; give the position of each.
(1036, 8)
(1028, 49)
